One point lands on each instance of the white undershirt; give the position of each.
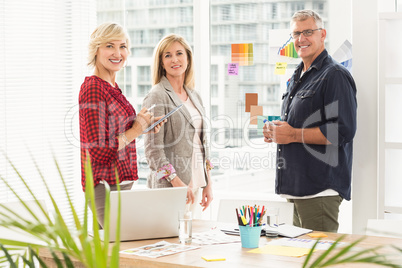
(198, 174)
(328, 192)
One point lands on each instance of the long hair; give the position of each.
(157, 69)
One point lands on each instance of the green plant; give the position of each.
(29, 256)
(54, 234)
(335, 255)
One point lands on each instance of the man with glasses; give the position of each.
(315, 134)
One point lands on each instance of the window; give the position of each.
(214, 111)
(142, 91)
(43, 50)
(214, 91)
(274, 11)
(214, 73)
(225, 13)
(144, 74)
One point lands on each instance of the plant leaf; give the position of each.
(8, 256)
(310, 254)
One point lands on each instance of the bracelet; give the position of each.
(124, 138)
(209, 165)
(170, 177)
(165, 171)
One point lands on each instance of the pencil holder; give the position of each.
(250, 236)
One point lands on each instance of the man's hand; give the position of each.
(279, 132)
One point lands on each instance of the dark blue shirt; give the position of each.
(324, 97)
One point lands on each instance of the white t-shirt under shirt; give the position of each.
(198, 159)
(328, 192)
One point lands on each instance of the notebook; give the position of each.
(147, 213)
(286, 230)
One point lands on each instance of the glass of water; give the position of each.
(185, 226)
(273, 216)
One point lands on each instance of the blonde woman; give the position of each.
(109, 124)
(178, 155)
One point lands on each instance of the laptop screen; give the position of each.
(147, 213)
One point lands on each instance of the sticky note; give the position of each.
(255, 111)
(317, 235)
(213, 258)
(281, 251)
(280, 68)
(251, 99)
(233, 69)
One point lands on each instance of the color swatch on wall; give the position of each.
(243, 54)
(343, 55)
(255, 111)
(251, 99)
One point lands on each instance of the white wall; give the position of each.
(340, 23)
(365, 65)
(365, 71)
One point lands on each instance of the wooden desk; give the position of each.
(235, 255)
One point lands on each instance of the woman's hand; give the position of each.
(177, 182)
(143, 120)
(207, 196)
(158, 126)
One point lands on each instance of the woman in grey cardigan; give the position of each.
(178, 155)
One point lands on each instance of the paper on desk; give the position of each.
(159, 249)
(304, 243)
(213, 237)
(281, 250)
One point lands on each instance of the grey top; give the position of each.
(174, 142)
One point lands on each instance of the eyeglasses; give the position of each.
(306, 33)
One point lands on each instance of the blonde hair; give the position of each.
(103, 34)
(157, 69)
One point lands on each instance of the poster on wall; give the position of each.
(281, 48)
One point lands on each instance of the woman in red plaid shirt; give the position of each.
(108, 122)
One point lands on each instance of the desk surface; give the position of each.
(235, 255)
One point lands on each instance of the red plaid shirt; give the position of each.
(104, 114)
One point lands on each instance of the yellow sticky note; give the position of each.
(281, 251)
(317, 235)
(280, 68)
(214, 258)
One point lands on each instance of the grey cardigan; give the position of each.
(174, 142)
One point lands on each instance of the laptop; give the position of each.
(147, 213)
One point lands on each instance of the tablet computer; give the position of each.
(163, 118)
